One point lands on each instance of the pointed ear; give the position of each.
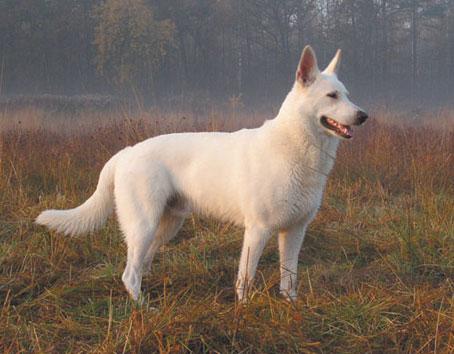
(333, 67)
(307, 69)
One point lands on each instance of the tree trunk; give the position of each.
(414, 46)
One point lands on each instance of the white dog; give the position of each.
(269, 180)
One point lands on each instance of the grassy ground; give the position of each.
(376, 270)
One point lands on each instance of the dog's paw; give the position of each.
(289, 296)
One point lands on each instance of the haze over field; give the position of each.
(196, 50)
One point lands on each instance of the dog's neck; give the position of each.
(298, 126)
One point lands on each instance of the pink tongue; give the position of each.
(349, 131)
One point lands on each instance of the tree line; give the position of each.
(223, 48)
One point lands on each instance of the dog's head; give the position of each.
(327, 96)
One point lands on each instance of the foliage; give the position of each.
(229, 47)
(130, 43)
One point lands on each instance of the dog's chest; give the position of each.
(302, 196)
(298, 189)
(297, 196)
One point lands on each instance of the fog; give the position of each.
(176, 52)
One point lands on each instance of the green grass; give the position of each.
(376, 270)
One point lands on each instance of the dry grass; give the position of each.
(376, 269)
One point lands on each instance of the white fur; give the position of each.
(270, 179)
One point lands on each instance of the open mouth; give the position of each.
(344, 131)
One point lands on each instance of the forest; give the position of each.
(394, 51)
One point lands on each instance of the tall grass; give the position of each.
(376, 270)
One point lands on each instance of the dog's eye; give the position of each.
(332, 95)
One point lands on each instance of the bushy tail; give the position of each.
(90, 215)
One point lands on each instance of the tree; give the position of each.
(130, 44)
(215, 49)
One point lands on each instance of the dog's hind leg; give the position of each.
(169, 225)
(140, 207)
(138, 240)
(255, 240)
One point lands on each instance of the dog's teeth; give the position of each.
(339, 128)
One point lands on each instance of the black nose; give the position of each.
(361, 117)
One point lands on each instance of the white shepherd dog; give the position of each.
(268, 180)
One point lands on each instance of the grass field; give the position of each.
(376, 270)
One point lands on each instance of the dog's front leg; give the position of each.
(255, 239)
(290, 242)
